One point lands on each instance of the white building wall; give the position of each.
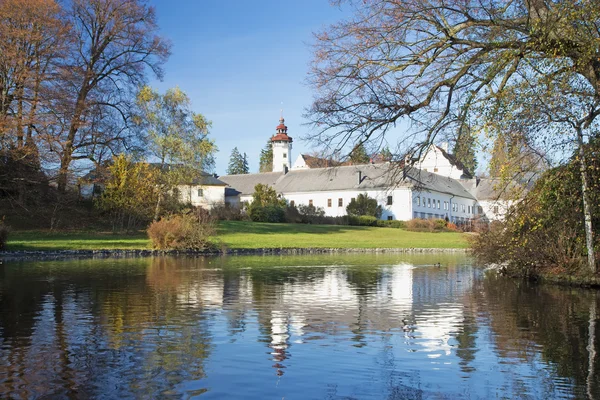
(425, 205)
(495, 210)
(299, 163)
(434, 161)
(210, 196)
(400, 208)
(282, 156)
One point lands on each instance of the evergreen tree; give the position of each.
(266, 158)
(464, 149)
(237, 163)
(386, 154)
(246, 167)
(359, 155)
(364, 205)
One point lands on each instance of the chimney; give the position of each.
(359, 177)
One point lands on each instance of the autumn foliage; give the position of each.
(188, 231)
(546, 229)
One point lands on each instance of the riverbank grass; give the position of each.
(248, 235)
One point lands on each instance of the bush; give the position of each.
(428, 225)
(391, 224)
(188, 231)
(4, 231)
(226, 212)
(363, 205)
(452, 227)
(268, 213)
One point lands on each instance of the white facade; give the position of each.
(205, 196)
(300, 163)
(395, 203)
(434, 205)
(495, 210)
(282, 155)
(435, 161)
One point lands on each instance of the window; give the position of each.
(340, 202)
(310, 203)
(418, 201)
(328, 202)
(389, 200)
(200, 192)
(469, 208)
(435, 170)
(438, 204)
(495, 209)
(284, 155)
(462, 207)
(429, 203)
(292, 203)
(480, 210)
(453, 206)
(390, 218)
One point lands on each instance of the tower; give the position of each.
(282, 148)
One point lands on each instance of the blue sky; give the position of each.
(238, 61)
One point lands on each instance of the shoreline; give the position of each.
(26, 255)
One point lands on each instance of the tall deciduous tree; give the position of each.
(176, 137)
(237, 163)
(266, 158)
(441, 63)
(33, 40)
(116, 42)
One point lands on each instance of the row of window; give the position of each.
(432, 203)
(340, 202)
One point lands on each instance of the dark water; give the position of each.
(327, 327)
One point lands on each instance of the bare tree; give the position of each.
(116, 42)
(440, 63)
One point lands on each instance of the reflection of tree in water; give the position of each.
(526, 316)
(95, 325)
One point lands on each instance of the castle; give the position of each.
(436, 186)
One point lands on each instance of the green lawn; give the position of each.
(249, 235)
(254, 234)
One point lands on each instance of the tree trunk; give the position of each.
(591, 348)
(66, 158)
(157, 209)
(587, 211)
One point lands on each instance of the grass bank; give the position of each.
(249, 235)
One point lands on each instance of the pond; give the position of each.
(291, 327)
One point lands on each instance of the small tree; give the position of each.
(237, 163)
(130, 193)
(363, 205)
(266, 206)
(176, 136)
(266, 158)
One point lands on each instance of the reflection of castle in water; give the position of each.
(310, 302)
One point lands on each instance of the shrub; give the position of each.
(452, 227)
(391, 224)
(226, 212)
(364, 205)
(439, 224)
(430, 225)
(4, 231)
(268, 213)
(188, 231)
